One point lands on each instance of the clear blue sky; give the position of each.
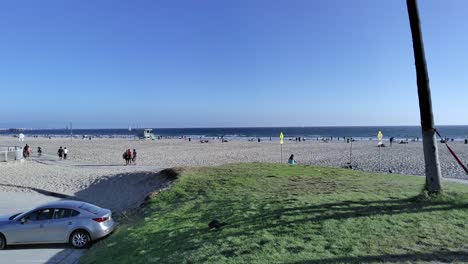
(227, 63)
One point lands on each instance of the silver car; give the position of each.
(74, 222)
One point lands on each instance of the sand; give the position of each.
(97, 173)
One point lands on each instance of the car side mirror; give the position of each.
(23, 220)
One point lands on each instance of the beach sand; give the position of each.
(96, 172)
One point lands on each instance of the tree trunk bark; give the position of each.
(431, 155)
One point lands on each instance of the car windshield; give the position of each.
(90, 208)
(13, 216)
(19, 216)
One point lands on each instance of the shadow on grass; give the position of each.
(193, 238)
(184, 233)
(439, 256)
(347, 209)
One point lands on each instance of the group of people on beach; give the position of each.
(62, 153)
(130, 157)
(27, 151)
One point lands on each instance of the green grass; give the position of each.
(292, 214)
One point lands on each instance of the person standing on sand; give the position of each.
(134, 156)
(60, 153)
(124, 156)
(26, 151)
(129, 157)
(65, 152)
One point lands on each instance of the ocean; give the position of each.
(357, 132)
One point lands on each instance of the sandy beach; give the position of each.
(96, 172)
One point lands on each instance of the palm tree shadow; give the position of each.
(434, 256)
(348, 209)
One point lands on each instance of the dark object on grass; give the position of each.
(390, 171)
(172, 173)
(215, 224)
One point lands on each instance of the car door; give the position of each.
(30, 229)
(59, 227)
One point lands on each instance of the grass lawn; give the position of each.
(292, 214)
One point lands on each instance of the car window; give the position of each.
(60, 213)
(39, 215)
(64, 213)
(74, 213)
(33, 216)
(45, 214)
(90, 208)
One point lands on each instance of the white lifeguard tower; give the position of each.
(148, 134)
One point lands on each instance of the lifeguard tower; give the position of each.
(148, 134)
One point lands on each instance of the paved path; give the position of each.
(15, 202)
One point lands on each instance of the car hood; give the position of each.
(4, 218)
(4, 223)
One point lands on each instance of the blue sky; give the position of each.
(227, 63)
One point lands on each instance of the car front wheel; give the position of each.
(2, 242)
(80, 239)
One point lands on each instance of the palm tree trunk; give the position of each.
(431, 154)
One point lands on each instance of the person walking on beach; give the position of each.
(124, 156)
(25, 155)
(60, 153)
(65, 153)
(129, 157)
(291, 160)
(134, 157)
(26, 151)
(39, 151)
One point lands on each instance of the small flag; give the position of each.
(281, 138)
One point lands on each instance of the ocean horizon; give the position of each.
(457, 132)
